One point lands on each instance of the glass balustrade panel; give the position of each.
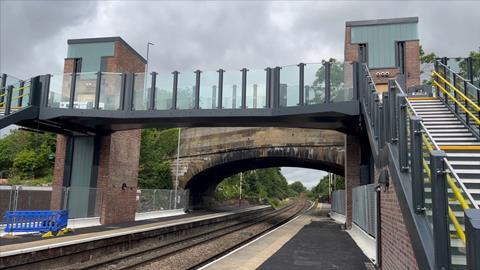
(59, 92)
(314, 83)
(110, 90)
(163, 91)
(85, 85)
(232, 89)
(208, 89)
(186, 90)
(289, 86)
(256, 88)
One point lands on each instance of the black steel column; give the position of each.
(197, 89)
(268, 94)
(441, 231)
(175, 88)
(39, 90)
(244, 88)
(97, 90)
(220, 89)
(152, 93)
(416, 154)
(327, 66)
(301, 83)
(276, 88)
(355, 83)
(72, 90)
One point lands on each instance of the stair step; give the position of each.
(435, 131)
(464, 162)
(459, 143)
(463, 154)
(467, 171)
(456, 139)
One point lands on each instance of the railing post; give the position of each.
(97, 90)
(244, 88)
(454, 75)
(435, 67)
(276, 87)
(386, 115)
(220, 89)
(416, 155)
(268, 94)
(441, 232)
(465, 88)
(472, 231)
(8, 100)
(355, 82)
(72, 90)
(20, 94)
(392, 110)
(197, 89)
(376, 128)
(3, 85)
(301, 84)
(469, 63)
(39, 88)
(327, 66)
(152, 93)
(402, 131)
(174, 90)
(381, 126)
(123, 90)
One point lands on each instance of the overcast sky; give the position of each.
(209, 35)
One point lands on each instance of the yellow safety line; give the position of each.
(477, 108)
(2, 95)
(20, 88)
(17, 97)
(458, 103)
(422, 98)
(459, 147)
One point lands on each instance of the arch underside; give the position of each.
(203, 184)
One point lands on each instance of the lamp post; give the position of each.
(146, 68)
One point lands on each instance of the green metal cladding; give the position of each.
(91, 54)
(381, 41)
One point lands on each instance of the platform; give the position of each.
(310, 241)
(28, 244)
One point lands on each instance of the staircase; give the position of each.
(463, 154)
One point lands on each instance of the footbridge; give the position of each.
(420, 147)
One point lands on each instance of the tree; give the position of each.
(336, 82)
(475, 67)
(297, 187)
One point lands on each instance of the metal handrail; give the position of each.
(475, 118)
(473, 104)
(463, 79)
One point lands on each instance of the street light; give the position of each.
(146, 69)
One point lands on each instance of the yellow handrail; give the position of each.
(456, 192)
(474, 105)
(17, 97)
(458, 103)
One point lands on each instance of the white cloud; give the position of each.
(308, 177)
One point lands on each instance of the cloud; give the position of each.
(209, 34)
(308, 177)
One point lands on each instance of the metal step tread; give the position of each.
(465, 162)
(463, 155)
(455, 139)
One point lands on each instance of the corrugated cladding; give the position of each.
(91, 54)
(381, 41)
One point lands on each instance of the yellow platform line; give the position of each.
(459, 147)
(422, 98)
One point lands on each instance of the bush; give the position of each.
(28, 164)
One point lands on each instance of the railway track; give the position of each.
(195, 251)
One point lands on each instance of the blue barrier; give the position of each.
(35, 221)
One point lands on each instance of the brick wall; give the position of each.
(351, 50)
(352, 173)
(124, 60)
(412, 62)
(58, 172)
(397, 250)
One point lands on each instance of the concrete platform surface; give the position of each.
(311, 241)
(26, 244)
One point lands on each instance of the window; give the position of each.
(363, 53)
(400, 56)
(77, 65)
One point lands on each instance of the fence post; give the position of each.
(72, 90)
(381, 126)
(386, 117)
(20, 94)
(416, 155)
(402, 131)
(197, 90)
(441, 232)
(355, 73)
(244, 88)
(472, 231)
(376, 115)
(97, 90)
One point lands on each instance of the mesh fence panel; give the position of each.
(364, 208)
(338, 201)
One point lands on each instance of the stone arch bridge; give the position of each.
(208, 155)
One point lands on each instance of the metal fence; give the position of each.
(149, 200)
(338, 201)
(364, 208)
(83, 202)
